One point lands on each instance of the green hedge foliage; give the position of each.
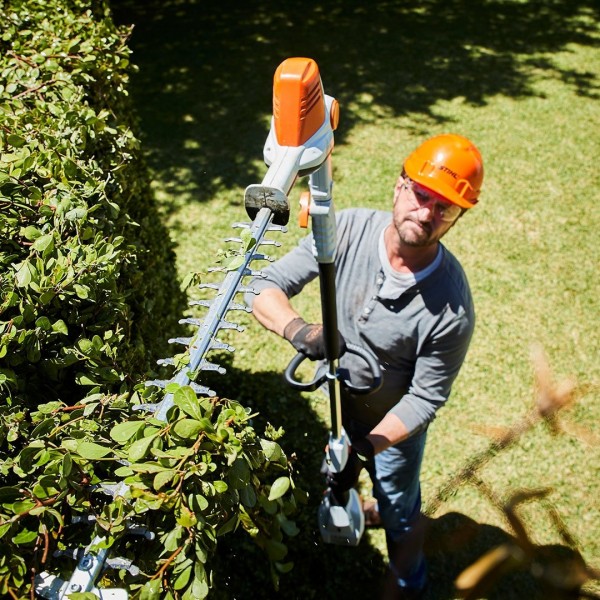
(88, 297)
(87, 269)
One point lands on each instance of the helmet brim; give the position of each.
(438, 186)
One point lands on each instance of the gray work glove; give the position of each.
(308, 338)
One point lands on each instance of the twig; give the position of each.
(22, 59)
(36, 88)
(169, 560)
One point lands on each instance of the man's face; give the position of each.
(421, 217)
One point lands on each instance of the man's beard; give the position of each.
(416, 239)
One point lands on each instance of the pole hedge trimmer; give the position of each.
(299, 93)
(299, 143)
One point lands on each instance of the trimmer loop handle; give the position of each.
(310, 386)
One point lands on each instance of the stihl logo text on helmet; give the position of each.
(449, 171)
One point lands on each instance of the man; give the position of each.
(404, 296)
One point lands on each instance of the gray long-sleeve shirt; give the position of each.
(420, 338)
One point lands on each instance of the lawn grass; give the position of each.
(519, 78)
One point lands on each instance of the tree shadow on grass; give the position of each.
(454, 541)
(203, 89)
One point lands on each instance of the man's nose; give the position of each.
(426, 212)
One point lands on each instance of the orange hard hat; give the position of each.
(450, 165)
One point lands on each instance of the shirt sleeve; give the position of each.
(290, 273)
(438, 362)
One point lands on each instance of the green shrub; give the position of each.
(88, 297)
(87, 267)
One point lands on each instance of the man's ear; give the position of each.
(397, 188)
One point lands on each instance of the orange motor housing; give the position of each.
(298, 101)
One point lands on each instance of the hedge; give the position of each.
(88, 298)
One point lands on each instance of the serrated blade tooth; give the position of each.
(206, 303)
(208, 366)
(196, 322)
(165, 361)
(251, 273)
(229, 325)
(212, 286)
(238, 306)
(202, 390)
(262, 257)
(217, 345)
(184, 341)
(159, 383)
(281, 228)
(269, 243)
(248, 290)
(146, 407)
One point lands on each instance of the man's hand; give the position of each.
(361, 453)
(308, 338)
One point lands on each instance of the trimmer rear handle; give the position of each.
(311, 386)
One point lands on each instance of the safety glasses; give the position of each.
(421, 197)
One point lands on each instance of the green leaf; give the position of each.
(188, 428)
(275, 550)
(239, 474)
(162, 478)
(9, 494)
(43, 243)
(248, 241)
(125, 431)
(220, 487)
(279, 488)
(25, 537)
(289, 527)
(23, 277)
(82, 291)
(124, 472)
(198, 502)
(183, 578)
(284, 567)
(76, 213)
(248, 496)
(186, 518)
(43, 323)
(67, 465)
(235, 263)
(4, 528)
(272, 450)
(16, 140)
(185, 398)
(45, 488)
(23, 506)
(230, 525)
(139, 448)
(151, 590)
(199, 587)
(30, 232)
(92, 451)
(171, 541)
(60, 327)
